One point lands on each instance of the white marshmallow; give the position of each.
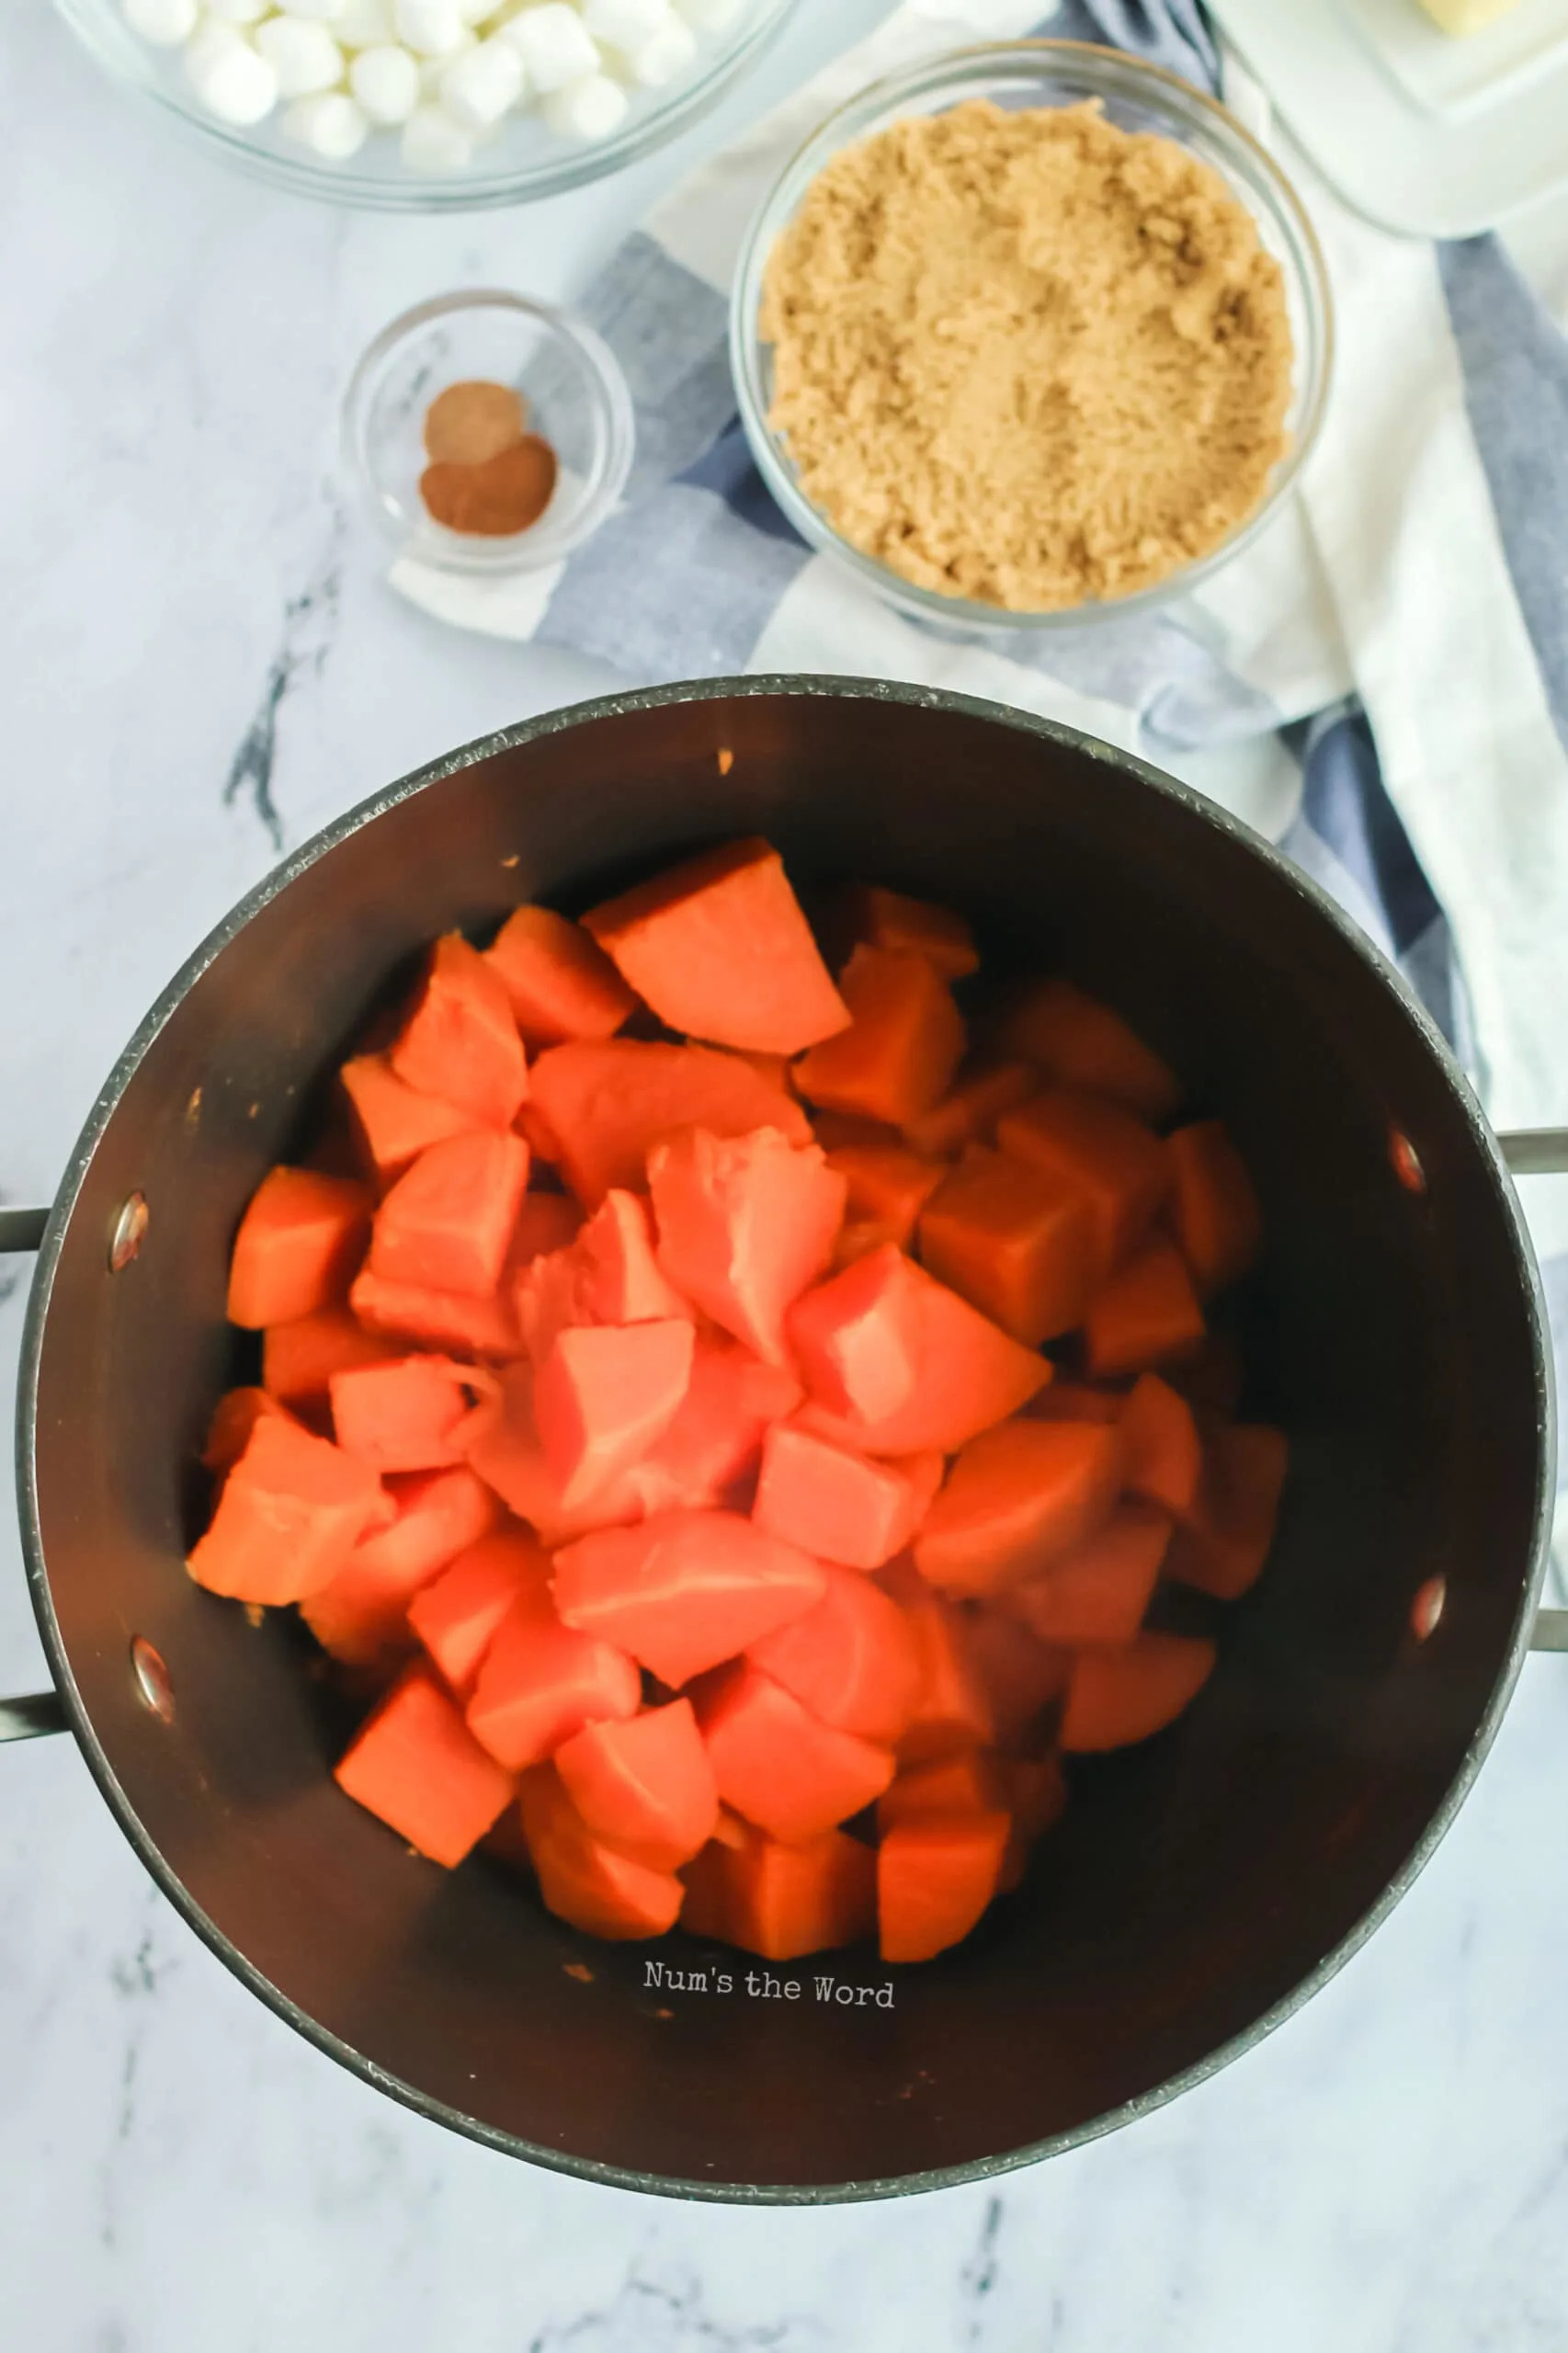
(232, 79)
(303, 54)
(482, 84)
(626, 24)
(474, 12)
(239, 12)
(593, 108)
(433, 143)
(385, 80)
(432, 70)
(364, 24)
(708, 15)
(662, 57)
(329, 124)
(431, 28)
(166, 23)
(325, 12)
(554, 44)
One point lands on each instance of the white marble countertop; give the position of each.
(202, 661)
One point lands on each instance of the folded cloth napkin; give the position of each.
(1398, 636)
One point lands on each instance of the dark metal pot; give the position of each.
(1199, 1888)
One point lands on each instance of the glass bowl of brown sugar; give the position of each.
(488, 433)
(1031, 335)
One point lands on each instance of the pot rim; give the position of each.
(816, 688)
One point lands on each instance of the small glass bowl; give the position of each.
(1135, 97)
(576, 398)
(521, 161)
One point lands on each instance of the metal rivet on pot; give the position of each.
(130, 1233)
(1405, 1161)
(152, 1678)
(1426, 1609)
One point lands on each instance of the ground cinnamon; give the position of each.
(504, 496)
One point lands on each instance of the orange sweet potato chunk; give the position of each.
(1147, 1314)
(1015, 1242)
(780, 1901)
(299, 1243)
(719, 948)
(923, 1371)
(298, 1360)
(744, 1222)
(583, 1881)
(831, 1502)
(540, 1681)
(1103, 1153)
(608, 1103)
(887, 1188)
(685, 1590)
(1078, 1042)
(446, 1224)
(904, 1040)
(1101, 1591)
(289, 1515)
(459, 1040)
(1017, 1497)
(1213, 1207)
(852, 1659)
(558, 981)
(778, 1765)
(411, 1413)
(605, 1395)
(646, 1786)
(363, 1613)
(1119, 1696)
(1225, 1538)
(393, 1122)
(936, 1875)
(969, 1113)
(414, 1764)
(885, 918)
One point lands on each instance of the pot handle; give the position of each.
(1540, 1151)
(21, 1230)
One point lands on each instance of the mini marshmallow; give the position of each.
(664, 56)
(385, 80)
(166, 23)
(239, 12)
(554, 44)
(301, 53)
(474, 12)
(329, 124)
(433, 143)
(431, 28)
(432, 70)
(364, 24)
(625, 24)
(232, 79)
(324, 12)
(482, 84)
(708, 16)
(592, 107)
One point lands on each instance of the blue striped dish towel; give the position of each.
(1399, 634)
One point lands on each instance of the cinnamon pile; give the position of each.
(488, 476)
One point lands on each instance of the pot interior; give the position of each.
(1196, 1883)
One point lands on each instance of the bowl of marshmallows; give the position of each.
(425, 104)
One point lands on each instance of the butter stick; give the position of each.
(1462, 16)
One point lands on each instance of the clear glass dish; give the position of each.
(522, 161)
(1136, 96)
(576, 398)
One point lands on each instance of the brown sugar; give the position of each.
(470, 421)
(1026, 358)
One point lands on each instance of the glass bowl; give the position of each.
(1135, 97)
(521, 161)
(576, 396)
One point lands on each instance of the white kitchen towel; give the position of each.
(1401, 629)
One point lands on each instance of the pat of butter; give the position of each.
(1466, 16)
